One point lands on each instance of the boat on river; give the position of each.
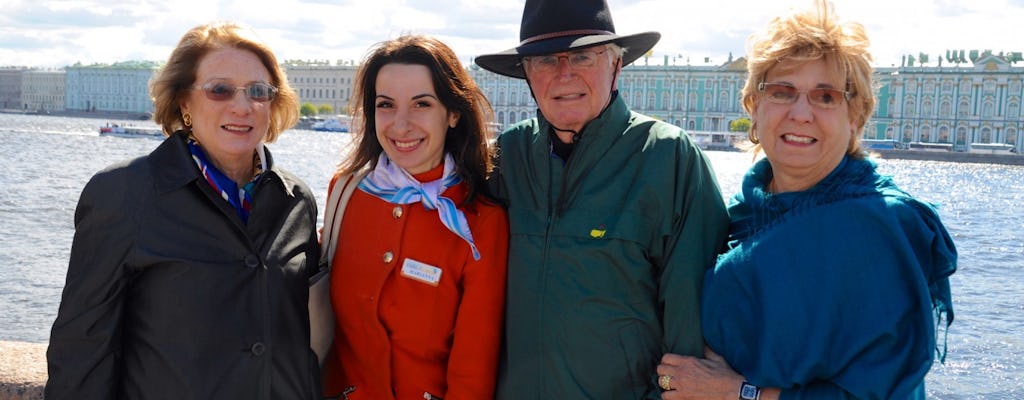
(337, 123)
(131, 131)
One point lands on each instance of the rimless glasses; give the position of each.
(783, 93)
(576, 59)
(222, 91)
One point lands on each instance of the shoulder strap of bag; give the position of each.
(334, 212)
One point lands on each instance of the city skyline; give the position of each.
(54, 34)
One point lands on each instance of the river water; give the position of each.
(49, 159)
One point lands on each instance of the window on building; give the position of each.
(986, 135)
(944, 109)
(943, 134)
(926, 133)
(965, 85)
(988, 109)
(964, 108)
(1011, 136)
(989, 85)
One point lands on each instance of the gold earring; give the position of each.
(751, 136)
(186, 119)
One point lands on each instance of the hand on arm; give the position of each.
(704, 378)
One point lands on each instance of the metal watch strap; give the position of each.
(749, 392)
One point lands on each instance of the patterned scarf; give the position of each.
(394, 185)
(239, 198)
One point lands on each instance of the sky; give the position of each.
(57, 33)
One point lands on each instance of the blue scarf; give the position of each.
(239, 198)
(393, 184)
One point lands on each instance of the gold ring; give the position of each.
(665, 382)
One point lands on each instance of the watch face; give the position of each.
(748, 391)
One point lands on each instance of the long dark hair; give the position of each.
(467, 142)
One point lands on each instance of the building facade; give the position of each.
(960, 108)
(964, 107)
(319, 83)
(10, 87)
(121, 87)
(43, 90)
(957, 107)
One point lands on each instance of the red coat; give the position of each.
(398, 337)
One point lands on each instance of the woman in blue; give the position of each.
(835, 279)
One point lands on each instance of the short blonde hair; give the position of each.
(810, 35)
(170, 86)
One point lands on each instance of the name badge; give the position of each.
(419, 271)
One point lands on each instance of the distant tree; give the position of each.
(307, 110)
(739, 125)
(325, 109)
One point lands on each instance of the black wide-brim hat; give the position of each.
(554, 26)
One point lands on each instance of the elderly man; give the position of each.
(614, 217)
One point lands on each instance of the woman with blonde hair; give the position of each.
(835, 279)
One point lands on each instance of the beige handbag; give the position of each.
(321, 315)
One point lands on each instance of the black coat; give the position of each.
(170, 296)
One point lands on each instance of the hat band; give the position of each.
(578, 32)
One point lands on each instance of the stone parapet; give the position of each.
(951, 156)
(22, 370)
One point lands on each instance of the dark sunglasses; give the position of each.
(222, 91)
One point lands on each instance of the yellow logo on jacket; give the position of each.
(598, 232)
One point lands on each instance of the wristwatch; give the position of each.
(749, 392)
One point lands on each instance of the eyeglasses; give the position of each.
(781, 93)
(576, 59)
(222, 91)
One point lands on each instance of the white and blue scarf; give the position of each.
(395, 185)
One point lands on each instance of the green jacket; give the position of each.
(607, 255)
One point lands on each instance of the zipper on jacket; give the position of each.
(344, 394)
(559, 206)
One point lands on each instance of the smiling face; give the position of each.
(569, 97)
(410, 119)
(803, 142)
(229, 130)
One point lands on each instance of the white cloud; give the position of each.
(57, 33)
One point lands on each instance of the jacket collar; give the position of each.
(172, 166)
(597, 135)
